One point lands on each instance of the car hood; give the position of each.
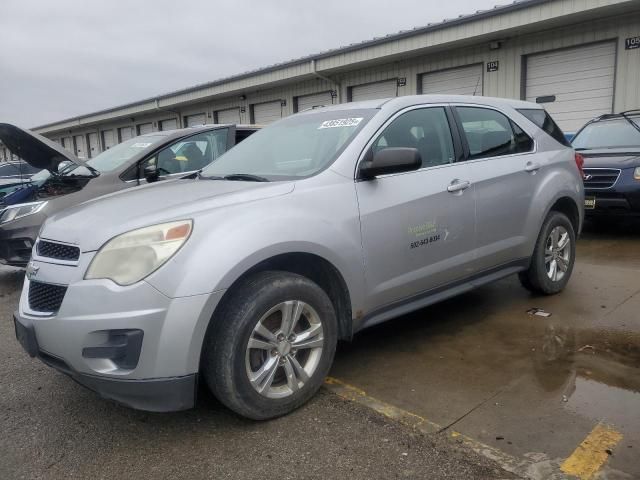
(92, 223)
(611, 158)
(36, 150)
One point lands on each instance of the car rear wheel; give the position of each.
(271, 345)
(553, 256)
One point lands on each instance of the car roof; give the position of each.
(206, 126)
(408, 100)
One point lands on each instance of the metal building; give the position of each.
(580, 58)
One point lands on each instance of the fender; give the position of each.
(229, 242)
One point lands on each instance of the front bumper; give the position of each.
(16, 245)
(131, 344)
(622, 199)
(156, 395)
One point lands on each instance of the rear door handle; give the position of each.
(532, 167)
(458, 185)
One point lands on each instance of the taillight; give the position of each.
(580, 163)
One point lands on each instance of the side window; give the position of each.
(426, 129)
(490, 133)
(190, 154)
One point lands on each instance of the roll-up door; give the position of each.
(145, 128)
(108, 139)
(169, 124)
(372, 91)
(67, 142)
(79, 149)
(230, 115)
(305, 102)
(193, 120)
(125, 133)
(94, 148)
(268, 112)
(454, 81)
(574, 84)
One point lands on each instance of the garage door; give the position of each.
(454, 81)
(125, 133)
(574, 85)
(230, 115)
(305, 102)
(79, 150)
(193, 120)
(145, 128)
(169, 124)
(67, 142)
(371, 91)
(94, 148)
(264, 113)
(108, 139)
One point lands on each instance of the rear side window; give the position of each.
(543, 120)
(491, 134)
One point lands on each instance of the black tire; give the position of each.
(225, 348)
(535, 278)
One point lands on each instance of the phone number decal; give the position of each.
(425, 241)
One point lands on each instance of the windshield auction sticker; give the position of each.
(140, 145)
(341, 122)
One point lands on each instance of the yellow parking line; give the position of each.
(591, 454)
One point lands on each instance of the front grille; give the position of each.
(601, 177)
(58, 251)
(45, 297)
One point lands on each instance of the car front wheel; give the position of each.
(271, 345)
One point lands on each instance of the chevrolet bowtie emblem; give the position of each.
(32, 270)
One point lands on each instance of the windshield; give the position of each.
(296, 147)
(608, 134)
(119, 154)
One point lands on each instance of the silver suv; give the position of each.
(325, 223)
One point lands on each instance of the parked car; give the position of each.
(67, 180)
(15, 176)
(318, 226)
(610, 145)
(16, 170)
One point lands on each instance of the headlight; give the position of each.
(636, 173)
(21, 210)
(132, 256)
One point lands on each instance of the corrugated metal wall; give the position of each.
(507, 81)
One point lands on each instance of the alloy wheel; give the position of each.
(284, 349)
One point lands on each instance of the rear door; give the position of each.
(416, 234)
(504, 172)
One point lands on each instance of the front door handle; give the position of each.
(532, 167)
(458, 185)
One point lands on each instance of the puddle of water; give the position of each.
(602, 402)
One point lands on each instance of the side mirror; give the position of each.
(62, 165)
(150, 173)
(390, 160)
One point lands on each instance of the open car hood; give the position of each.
(36, 150)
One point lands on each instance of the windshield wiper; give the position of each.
(245, 177)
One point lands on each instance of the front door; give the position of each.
(417, 227)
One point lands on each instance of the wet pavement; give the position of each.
(529, 385)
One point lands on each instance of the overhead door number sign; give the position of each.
(493, 66)
(631, 43)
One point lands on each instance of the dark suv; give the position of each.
(610, 145)
(66, 180)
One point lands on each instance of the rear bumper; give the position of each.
(155, 395)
